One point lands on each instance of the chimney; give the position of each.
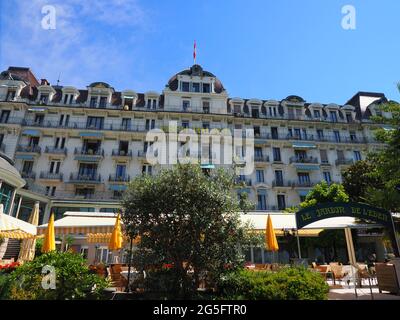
(44, 82)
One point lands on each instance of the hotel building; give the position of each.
(77, 148)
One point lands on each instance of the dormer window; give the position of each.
(237, 108)
(151, 103)
(195, 87)
(272, 111)
(44, 98)
(206, 88)
(349, 117)
(11, 93)
(333, 116)
(93, 102)
(68, 98)
(254, 111)
(185, 105)
(103, 102)
(317, 114)
(185, 86)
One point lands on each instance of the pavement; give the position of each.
(345, 292)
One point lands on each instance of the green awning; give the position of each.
(24, 157)
(303, 145)
(31, 132)
(118, 187)
(91, 134)
(303, 193)
(304, 167)
(207, 166)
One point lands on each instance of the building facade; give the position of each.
(78, 148)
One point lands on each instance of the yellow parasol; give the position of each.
(49, 243)
(271, 243)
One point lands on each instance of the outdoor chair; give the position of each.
(314, 265)
(337, 272)
(117, 280)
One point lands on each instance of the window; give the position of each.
(126, 124)
(123, 147)
(44, 98)
(84, 252)
(340, 154)
(87, 169)
(333, 116)
(277, 154)
(93, 102)
(320, 134)
(39, 118)
(261, 200)
(27, 167)
(86, 193)
(297, 133)
(256, 131)
(65, 98)
(353, 136)
(5, 114)
(349, 117)
(185, 105)
(206, 106)
(185, 86)
(151, 103)
(279, 178)
(147, 169)
(120, 171)
(324, 156)
(103, 255)
(258, 152)
(206, 125)
(281, 201)
(317, 114)
(95, 122)
(255, 113)
(206, 88)
(260, 176)
(150, 124)
(327, 176)
(237, 108)
(274, 132)
(33, 141)
(50, 191)
(185, 124)
(55, 166)
(10, 94)
(304, 178)
(195, 87)
(59, 143)
(103, 102)
(336, 135)
(60, 122)
(357, 155)
(272, 111)
(300, 155)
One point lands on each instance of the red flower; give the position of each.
(9, 267)
(168, 266)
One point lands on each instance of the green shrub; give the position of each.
(73, 279)
(285, 284)
(5, 284)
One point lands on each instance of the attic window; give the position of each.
(44, 98)
(185, 86)
(11, 94)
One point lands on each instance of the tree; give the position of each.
(322, 193)
(186, 220)
(359, 178)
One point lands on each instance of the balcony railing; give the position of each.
(303, 160)
(119, 178)
(258, 158)
(29, 149)
(89, 177)
(281, 183)
(339, 162)
(89, 152)
(304, 184)
(28, 175)
(121, 153)
(51, 176)
(247, 182)
(54, 150)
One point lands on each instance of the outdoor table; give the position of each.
(327, 272)
(133, 276)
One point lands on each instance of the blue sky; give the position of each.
(259, 49)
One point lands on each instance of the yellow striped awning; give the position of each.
(18, 234)
(79, 230)
(105, 238)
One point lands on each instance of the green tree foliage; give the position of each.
(188, 220)
(323, 192)
(286, 284)
(73, 279)
(359, 178)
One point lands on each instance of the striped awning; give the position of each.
(118, 187)
(24, 156)
(18, 234)
(304, 167)
(91, 134)
(303, 145)
(78, 230)
(105, 238)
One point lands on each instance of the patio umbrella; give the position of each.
(49, 243)
(116, 236)
(270, 238)
(27, 252)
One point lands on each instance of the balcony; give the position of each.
(56, 151)
(308, 160)
(85, 178)
(119, 178)
(303, 184)
(344, 162)
(261, 158)
(121, 153)
(51, 176)
(92, 155)
(29, 149)
(247, 182)
(302, 137)
(28, 175)
(141, 154)
(282, 183)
